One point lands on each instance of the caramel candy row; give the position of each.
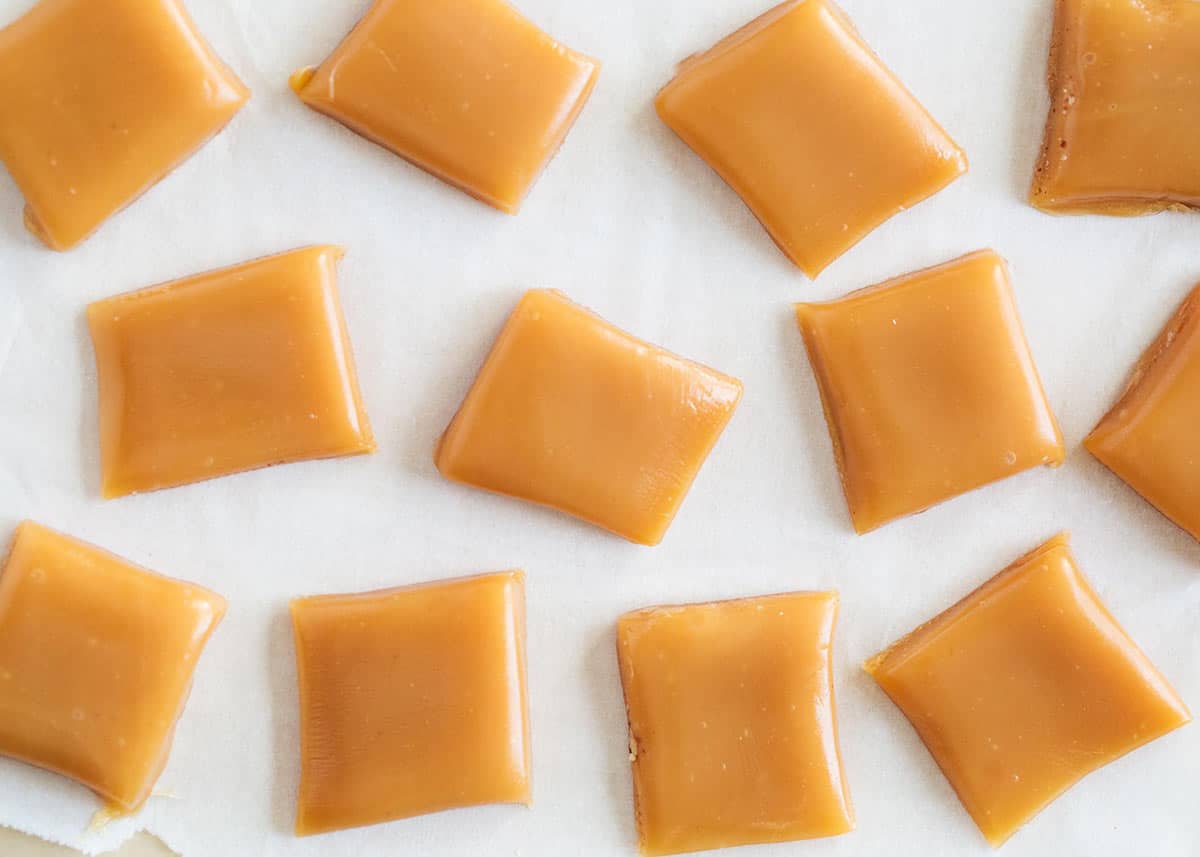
(414, 699)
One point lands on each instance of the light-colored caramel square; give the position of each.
(412, 700)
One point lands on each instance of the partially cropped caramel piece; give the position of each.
(1124, 79)
(99, 100)
(96, 661)
(733, 730)
(412, 700)
(226, 371)
(1150, 438)
(570, 412)
(802, 119)
(468, 90)
(1024, 687)
(929, 388)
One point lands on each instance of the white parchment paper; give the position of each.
(631, 223)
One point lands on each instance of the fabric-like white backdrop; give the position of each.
(629, 222)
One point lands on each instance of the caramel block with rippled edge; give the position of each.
(412, 700)
(572, 413)
(733, 728)
(929, 388)
(99, 100)
(1150, 436)
(96, 661)
(822, 142)
(226, 371)
(468, 90)
(1124, 79)
(1024, 687)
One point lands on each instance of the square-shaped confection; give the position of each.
(1149, 438)
(815, 134)
(733, 730)
(96, 661)
(572, 413)
(1024, 687)
(468, 90)
(412, 700)
(1124, 78)
(929, 388)
(99, 100)
(226, 371)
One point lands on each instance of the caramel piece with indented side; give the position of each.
(96, 661)
(99, 100)
(468, 90)
(928, 387)
(572, 413)
(1124, 79)
(1024, 687)
(1149, 438)
(226, 371)
(733, 729)
(798, 115)
(412, 700)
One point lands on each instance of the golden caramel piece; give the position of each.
(467, 90)
(802, 119)
(1124, 78)
(929, 388)
(226, 371)
(96, 661)
(572, 413)
(99, 100)
(1149, 438)
(733, 730)
(412, 700)
(1024, 687)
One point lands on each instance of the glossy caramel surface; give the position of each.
(99, 100)
(96, 661)
(572, 413)
(1024, 687)
(929, 388)
(1150, 437)
(226, 371)
(1124, 80)
(733, 728)
(469, 90)
(816, 135)
(412, 700)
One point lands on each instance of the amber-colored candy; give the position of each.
(1024, 687)
(226, 371)
(468, 90)
(1150, 437)
(733, 730)
(96, 661)
(1124, 78)
(572, 413)
(929, 388)
(412, 700)
(802, 119)
(99, 100)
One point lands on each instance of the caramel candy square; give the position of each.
(572, 413)
(1150, 436)
(96, 661)
(1024, 687)
(99, 100)
(733, 730)
(798, 115)
(226, 371)
(412, 700)
(929, 388)
(468, 90)
(1124, 78)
